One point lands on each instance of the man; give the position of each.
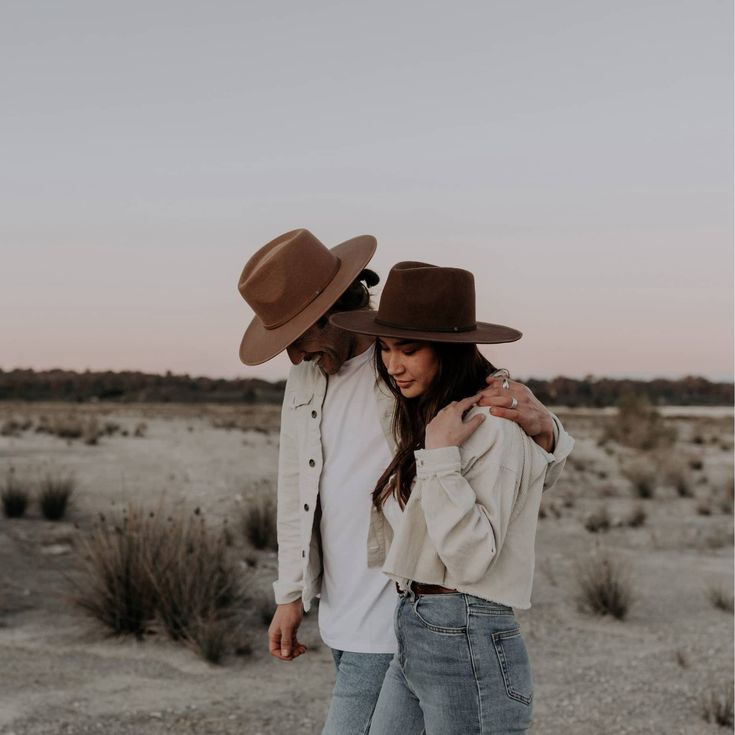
(335, 443)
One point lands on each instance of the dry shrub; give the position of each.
(14, 428)
(194, 579)
(598, 521)
(642, 473)
(259, 523)
(720, 598)
(265, 607)
(15, 496)
(605, 586)
(54, 496)
(637, 517)
(677, 474)
(681, 658)
(146, 566)
(639, 425)
(116, 586)
(140, 430)
(85, 428)
(716, 705)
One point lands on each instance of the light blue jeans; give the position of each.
(359, 678)
(461, 669)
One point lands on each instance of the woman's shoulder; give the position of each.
(494, 432)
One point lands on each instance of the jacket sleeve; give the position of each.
(467, 516)
(289, 585)
(563, 445)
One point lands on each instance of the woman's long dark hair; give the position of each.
(462, 372)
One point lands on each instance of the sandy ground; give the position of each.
(59, 673)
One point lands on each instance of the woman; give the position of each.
(459, 503)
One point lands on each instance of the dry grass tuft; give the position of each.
(605, 586)
(147, 566)
(259, 524)
(54, 496)
(716, 705)
(639, 425)
(642, 473)
(15, 496)
(598, 521)
(637, 517)
(721, 598)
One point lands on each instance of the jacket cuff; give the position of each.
(441, 461)
(286, 592)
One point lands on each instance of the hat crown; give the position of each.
(423, 297)
(286, 275)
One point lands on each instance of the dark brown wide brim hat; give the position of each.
(428, 303)
(290, 283)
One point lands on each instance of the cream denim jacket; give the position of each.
(299, 469)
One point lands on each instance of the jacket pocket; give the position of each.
(300, 398)
(515, 665)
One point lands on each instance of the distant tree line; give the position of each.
(131, 387)
(600, 392)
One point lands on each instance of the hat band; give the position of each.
(384, 323)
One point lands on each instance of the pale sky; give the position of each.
(577, 156)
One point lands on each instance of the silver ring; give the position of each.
(514, 402)
(506, 384)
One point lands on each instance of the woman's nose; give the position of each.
(394, 365)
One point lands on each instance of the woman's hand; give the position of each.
(448, 429)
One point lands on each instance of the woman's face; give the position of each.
(412, 365)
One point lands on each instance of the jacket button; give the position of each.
(313, 414)
(306, 506)
(303, 554)
(312, 463)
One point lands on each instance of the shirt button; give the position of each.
(313, 414)
(312, 463)
(303, 554)
(306, 506)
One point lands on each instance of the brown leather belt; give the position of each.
(428, 589)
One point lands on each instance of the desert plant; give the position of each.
(598, 521)
(677, 474)
(115, 586)
(15, 496)
(720, 598)
(716, 705)
(194, 579)
(259, 524)
(637, 517)
(639, 425)
(642, 475)
(54, 496)
(604, 586)
(140, 429)
(147, 565)
(696, 463)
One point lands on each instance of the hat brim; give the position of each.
(363, 322)
(259, 344)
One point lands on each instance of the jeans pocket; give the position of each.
(514, 664)
(445, 614)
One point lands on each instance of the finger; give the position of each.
(470, 427)
(505, 413)
(505, 401)
(466, 403)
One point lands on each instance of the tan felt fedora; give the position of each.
(292, 282)
(429, 303)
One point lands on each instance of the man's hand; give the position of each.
(532, 416)
(282, 641)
